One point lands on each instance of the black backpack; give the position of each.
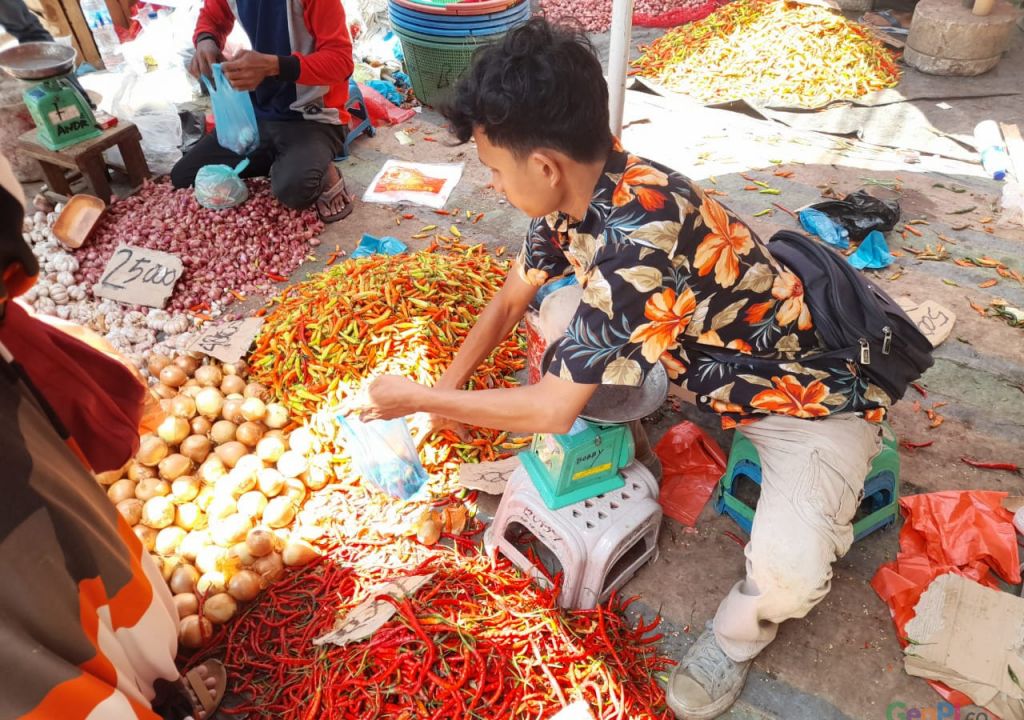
(852, 314)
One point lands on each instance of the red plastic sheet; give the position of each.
(382, 110)
(692, 465)
(967, 533)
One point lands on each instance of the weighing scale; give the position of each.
(588, 460)
(55, 100)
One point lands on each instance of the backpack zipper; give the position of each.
(886, 340)
(865, 352)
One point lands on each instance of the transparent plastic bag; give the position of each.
(1013, 204)
(233, 114)
(157, 119)
(219, 187)
(384, 453)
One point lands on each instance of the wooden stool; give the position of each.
(87, 158)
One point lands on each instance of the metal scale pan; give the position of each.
(38, 60)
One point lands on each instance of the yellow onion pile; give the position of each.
(216, 493)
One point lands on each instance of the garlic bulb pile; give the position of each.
(132, 332)
(216, 494)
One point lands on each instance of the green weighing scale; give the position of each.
(588, 460)
(55, 100)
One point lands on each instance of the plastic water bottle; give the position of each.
(97, 17)
(993, 153)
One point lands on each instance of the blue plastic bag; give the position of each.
(219, 187)
(386, 245)
(384, 453)
(233, 114)
(820, 224)
(873, 253)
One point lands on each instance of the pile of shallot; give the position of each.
(57, 292)
(241, 250)
(216, 494)
(596, 15)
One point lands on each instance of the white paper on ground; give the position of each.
(437, 180)
(970, 637)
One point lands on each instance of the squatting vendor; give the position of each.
(668, 275)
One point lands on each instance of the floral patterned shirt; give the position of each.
(669, 275)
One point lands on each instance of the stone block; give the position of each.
(946, 38)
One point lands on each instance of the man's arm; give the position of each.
(215, 22)
(550, 406)
(331, 62)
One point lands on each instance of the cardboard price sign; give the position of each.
(933, 320)
(138, 276)
(227, 341)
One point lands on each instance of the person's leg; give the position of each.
(209, 152)
(813, 476)
(22, 23)
(304, 170)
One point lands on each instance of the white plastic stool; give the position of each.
(600, 543)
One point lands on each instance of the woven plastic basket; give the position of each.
(434, 67)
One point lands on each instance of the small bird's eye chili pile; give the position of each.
(227, 254)
(770, 50)
(405, 315)
(477, 640)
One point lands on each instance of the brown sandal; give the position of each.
(326, 200)
(201, 696)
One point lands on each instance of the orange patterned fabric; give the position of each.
(670, 275)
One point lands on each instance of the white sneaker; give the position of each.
(707, 681)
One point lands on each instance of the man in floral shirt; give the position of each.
(668, 275)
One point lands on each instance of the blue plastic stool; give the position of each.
(879, 507)
(356, 107)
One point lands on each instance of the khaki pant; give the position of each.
(813, 474)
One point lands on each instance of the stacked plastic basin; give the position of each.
(439, 38)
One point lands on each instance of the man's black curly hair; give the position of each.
(540, 86)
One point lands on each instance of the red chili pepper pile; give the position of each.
(477, 640)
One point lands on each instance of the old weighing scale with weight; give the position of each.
(589, 459)
(55, 100)
(589, 505)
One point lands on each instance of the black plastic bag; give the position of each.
(861, 213)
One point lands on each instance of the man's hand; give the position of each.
(207, 54)
(248, 69)
(424, 426)
(387, 397)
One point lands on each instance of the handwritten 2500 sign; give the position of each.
(140, 276)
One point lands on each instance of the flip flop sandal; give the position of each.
(325, 202)
(201, 695)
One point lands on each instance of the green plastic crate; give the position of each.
(434, 67)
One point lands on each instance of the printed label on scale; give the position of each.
(138, 276)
